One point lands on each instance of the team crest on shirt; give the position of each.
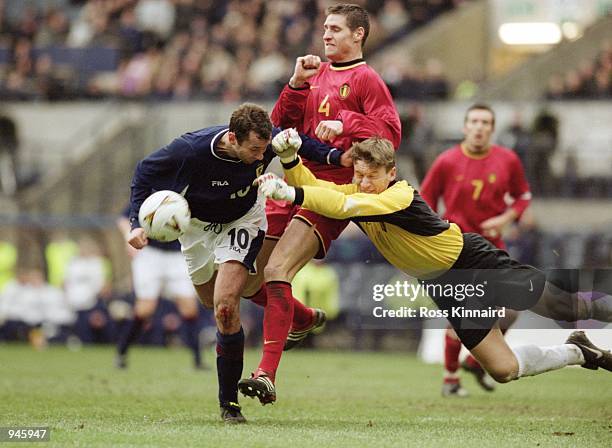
(492, 178)
(344, 90)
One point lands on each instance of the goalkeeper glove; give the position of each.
(286, 145)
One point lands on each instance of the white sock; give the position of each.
(533, 360)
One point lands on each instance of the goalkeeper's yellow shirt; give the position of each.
(401, 225)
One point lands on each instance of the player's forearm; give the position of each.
(319, 152)
(509, 215)
(288, 111)
(520, 205)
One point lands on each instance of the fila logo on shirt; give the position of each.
(219, 183)
(344, 90)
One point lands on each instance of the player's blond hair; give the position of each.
(376, 152)
(355, 15)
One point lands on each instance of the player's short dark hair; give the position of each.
(479, 106)
(355, 15)
(375, 151)
(250, 117)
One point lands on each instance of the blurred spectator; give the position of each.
(57, 315)
(156, 16)
(466, 89)
(544, 140)
(408, 80)
(53, 30)
(58, 254)
(555, 88)
(417, 139)
(129, 33)
(393, 16)
(19, 311)
(570, 184)
(524, 240)
(23, 306)
(518, 138)
(317, 286)
(9, 147)
(84, 283)
(590, 80)
(8, 262)
(435, 85)
(268, 73)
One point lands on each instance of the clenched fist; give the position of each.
(286, 145)
(305, 67)
(327, 130)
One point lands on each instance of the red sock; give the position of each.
(471, 361)
(452, 347)
(302, 315)
(277, 321)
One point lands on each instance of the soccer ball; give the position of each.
(164, 215)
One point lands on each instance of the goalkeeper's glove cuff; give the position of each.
(299, 196)
(289, 159)
(290, 163)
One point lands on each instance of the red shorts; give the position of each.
(280, 213)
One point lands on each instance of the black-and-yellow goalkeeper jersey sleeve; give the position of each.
(339, 205)
(401, 225)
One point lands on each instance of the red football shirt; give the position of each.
(351, 92)
(475, 189)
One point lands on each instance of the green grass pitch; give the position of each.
(325, 399)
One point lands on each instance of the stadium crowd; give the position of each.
(186, 49)
(592, 79)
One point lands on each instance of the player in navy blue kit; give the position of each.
(159, 269)
(214, 169)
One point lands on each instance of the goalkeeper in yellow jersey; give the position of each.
(417, 241)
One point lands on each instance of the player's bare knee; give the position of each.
(504, 372)
(226, 314)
